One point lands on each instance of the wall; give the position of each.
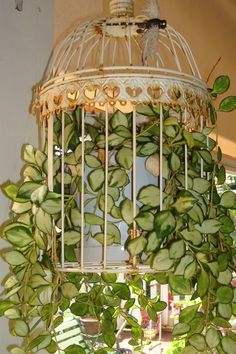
(209, 27)
(25, 45)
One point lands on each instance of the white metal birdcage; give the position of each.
(103, 66)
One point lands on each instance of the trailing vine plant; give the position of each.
(188, 244)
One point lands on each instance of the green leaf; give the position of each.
(212, 337)
(4, 306)
(193, 236)
(201, 185)
(11, 190)
(221, 322)
(19, 236)
(93, 219)
(162, 261)
(109, 277)
(33, 174)
(225, 310)
(196, 214)
(28, 154)
(99, 237)
(174, 162)
(221, 84)
(43, 221)
(153, 242)
(190, 270)
(145, 220)
(124, 157)
(227, 225)
(228, 104)
(12, 313)
(224, 295)
(206, 156)
(51, 206)
(17, 350)
(92, 161)
(74, 349)
(20, 328)
(118, 178)
(96, 179)
(198, 341)
(150, 196)
(225, 277)
(184, 202)
(164, 223)
(116, 212)
(188, 313)
(179, 284)
(189, 350)
(228, 345)
(180, 329)
(122, 291)
(27, 189)
(115, 140)
(228, 200)
(110, 203)
(221, 175)
(136, 246)
(210, 226)
(75, 217)
(203, 283)
(177, 249)
(14, 258)
(69, 290)
(189, 139)
(119, 119)
(114, 231)
(79, 309)
(71, 237)
(21, 208)
(123, 132)
(126, 208)
(39, 194)
(148, 149)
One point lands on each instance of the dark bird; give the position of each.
(19, 5)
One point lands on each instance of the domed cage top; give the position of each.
(113, 92)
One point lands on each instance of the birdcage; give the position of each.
(103, 108)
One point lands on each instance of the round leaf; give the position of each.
(162, 261)
(150, 196)
(137, 245)
(177, 249)
(180, 329)
(164, 223)
(212, 338)
(228, 199)
(228, 104)
(228, 345)
(20, 328)
(224, 295)
(221, 84)
(96, 179)
(124, 158)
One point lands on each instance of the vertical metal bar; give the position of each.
(50, 173)
(103, 44)
(129, 43)
(106, 188)
(62, 189)
(185, 155)
(82, 190)
(43, 134)
(161, 157)
(134, 183)
(201, 127)
(164, 289)
(50, 153)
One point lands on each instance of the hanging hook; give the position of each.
(19, 5)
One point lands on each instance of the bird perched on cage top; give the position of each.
(149, 42)
(19, 5)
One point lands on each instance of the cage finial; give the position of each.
(122, 7)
